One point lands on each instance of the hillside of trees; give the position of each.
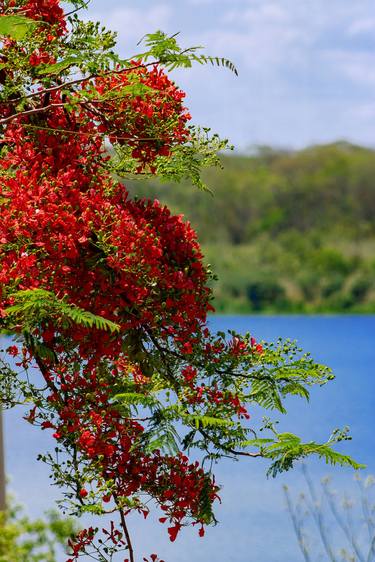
(285, 231)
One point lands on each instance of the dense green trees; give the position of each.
(287, 231)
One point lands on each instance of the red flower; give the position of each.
(173, 532)
(12, 350)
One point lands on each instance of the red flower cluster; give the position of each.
(48, 11)
(39, 56)
(81, 542)
(66, 226)
(151, 123)
(101, 432)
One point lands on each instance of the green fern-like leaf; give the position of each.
(205, 421)
(297, 389)
(16, 26)
(265, 393)
(166, 49)
(288, 448)
(205, 502)
(131, 398)
(215, 61)
(33, 306)
(258, 442)
(163, 437)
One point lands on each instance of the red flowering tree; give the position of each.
(106, 297)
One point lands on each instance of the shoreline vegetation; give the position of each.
(285, 231)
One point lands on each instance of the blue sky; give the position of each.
(306, 68)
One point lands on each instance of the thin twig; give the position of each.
(297, 525)
(77, 9)
(316, 512)
(229, 449)
(43, 369)
(366, 510)
(127, 535)
(80, 80)
(371, 553)
(348, 532)
(85, 133)
(34, 111)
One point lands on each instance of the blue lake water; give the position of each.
(254, 525)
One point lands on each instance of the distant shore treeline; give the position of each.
(286, 231)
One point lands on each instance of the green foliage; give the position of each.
(284, 371)
(88, 51)
(262, 293)
(26, 540)
(164, 48)
(281, 370)
(287, 448)
(16, 27)
(78, 3)
(9, 390)
(62, 65)
(205, 421)
(285, 231)
(187, 163)
(33, 306)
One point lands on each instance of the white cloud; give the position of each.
(314, 53)
(133, 23)
(263, 35)
(362, 26)
(359, 67)
(267, 12)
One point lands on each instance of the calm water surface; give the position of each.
(254, 526)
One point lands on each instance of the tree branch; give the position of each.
(43, 369)
(229, 449)
(77, 9)
(34, 111)
(126, 531)
(53, 89)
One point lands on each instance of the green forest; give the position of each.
(285, 232)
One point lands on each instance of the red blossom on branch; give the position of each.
(121, 340)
